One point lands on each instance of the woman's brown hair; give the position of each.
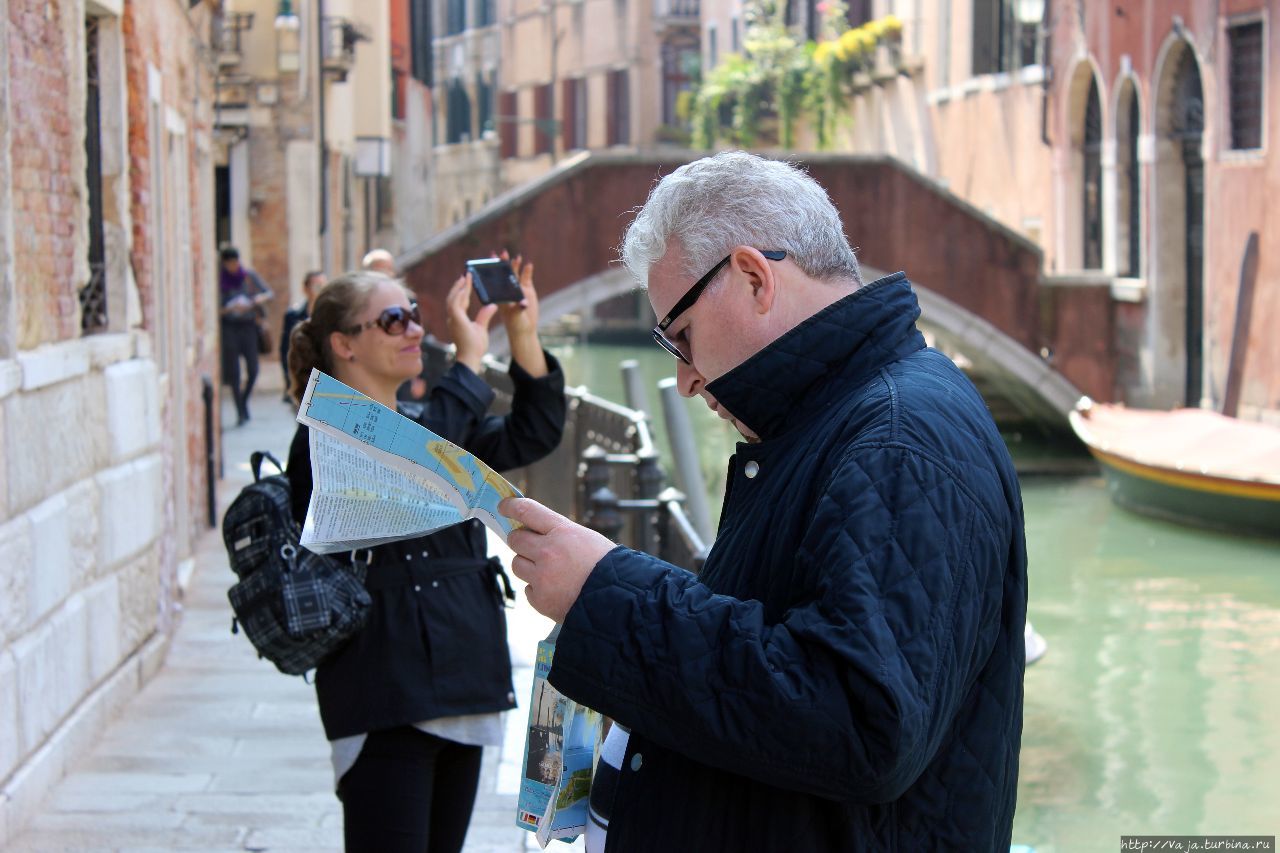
(337, 307)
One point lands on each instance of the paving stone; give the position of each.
(112, 821)
(135, 783)
(271, 839)
(262, 803)
(247, 780)
(63, 800)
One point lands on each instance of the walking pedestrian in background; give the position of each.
(379, 260)
(411, 700)
(243, 295)
(311, 284)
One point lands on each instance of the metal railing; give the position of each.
(686, 9)
(341, 35)
(605, 473)
(227, 30)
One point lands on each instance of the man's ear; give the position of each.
(759, 273)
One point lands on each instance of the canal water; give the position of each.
(1156, 710)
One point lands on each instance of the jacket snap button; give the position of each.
(424, 553)
(637, 761)
(435, 584)
(417, 588)
(408, 556)
(751, 469)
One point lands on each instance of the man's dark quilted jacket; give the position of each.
(846, 673)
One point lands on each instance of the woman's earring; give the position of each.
(352, 357)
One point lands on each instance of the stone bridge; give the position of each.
(1034, 347)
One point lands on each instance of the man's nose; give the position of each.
(688, 380)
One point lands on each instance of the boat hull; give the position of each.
(1217, 503)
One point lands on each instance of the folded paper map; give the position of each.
(562, 748)
(379, 476)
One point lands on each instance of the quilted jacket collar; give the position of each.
(845, 342)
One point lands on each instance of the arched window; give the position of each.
(458, 117)
(1128, 184)
(681, 59)
(1092, 201)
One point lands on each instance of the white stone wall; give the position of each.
(80, 533)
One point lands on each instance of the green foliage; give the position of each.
(778, 75)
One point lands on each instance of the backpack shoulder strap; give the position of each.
(255, 463)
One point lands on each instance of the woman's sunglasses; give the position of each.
(394, 320)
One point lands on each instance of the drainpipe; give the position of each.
(1046, 77)
(325, 255)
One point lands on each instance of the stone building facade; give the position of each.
(108, 343)
(517, 86)
(304, 137)
(1129, 139)
(1162, 116)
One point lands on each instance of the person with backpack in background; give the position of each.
(311, 284)
(408, 703)
(242, 294)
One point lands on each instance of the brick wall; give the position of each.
(93, 458)
(47, 157)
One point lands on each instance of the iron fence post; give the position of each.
(603, 515)
(648, 482)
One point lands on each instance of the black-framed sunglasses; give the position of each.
(394, 320)
(691, 296)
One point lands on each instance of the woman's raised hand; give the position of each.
(521, 318)
(471, 337)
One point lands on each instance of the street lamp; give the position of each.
(1030, 11)
(287, 49)
(372, 161)
(285, 17)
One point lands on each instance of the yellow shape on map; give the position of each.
(499, 483)
(448, 455)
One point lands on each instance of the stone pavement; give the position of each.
(220, 752)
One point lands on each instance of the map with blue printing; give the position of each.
(405, 446)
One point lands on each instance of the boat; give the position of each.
(1193, 466)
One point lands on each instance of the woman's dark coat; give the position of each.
(435, 644)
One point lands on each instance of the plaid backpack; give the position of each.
(296, 607)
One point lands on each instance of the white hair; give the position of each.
(376, 255)
(738, 199)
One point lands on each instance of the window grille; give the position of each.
(93, 296)
(1246, 85)
(420, 36)
(1092, 202)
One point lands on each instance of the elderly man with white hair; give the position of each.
(846, 671)
(379, 260)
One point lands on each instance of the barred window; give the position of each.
(458, 114)
(543, 137)
(1245, 96)
(456, 17)
(420, 37)
(507, 116)
(484, 103)
(93, 296)
(618, 98)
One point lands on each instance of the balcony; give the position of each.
(677, 11)
(227, 30)
(233, 91)
(341, 36)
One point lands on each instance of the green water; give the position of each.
(1156, 710)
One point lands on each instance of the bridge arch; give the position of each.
(571, 220)
(1018, 383)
